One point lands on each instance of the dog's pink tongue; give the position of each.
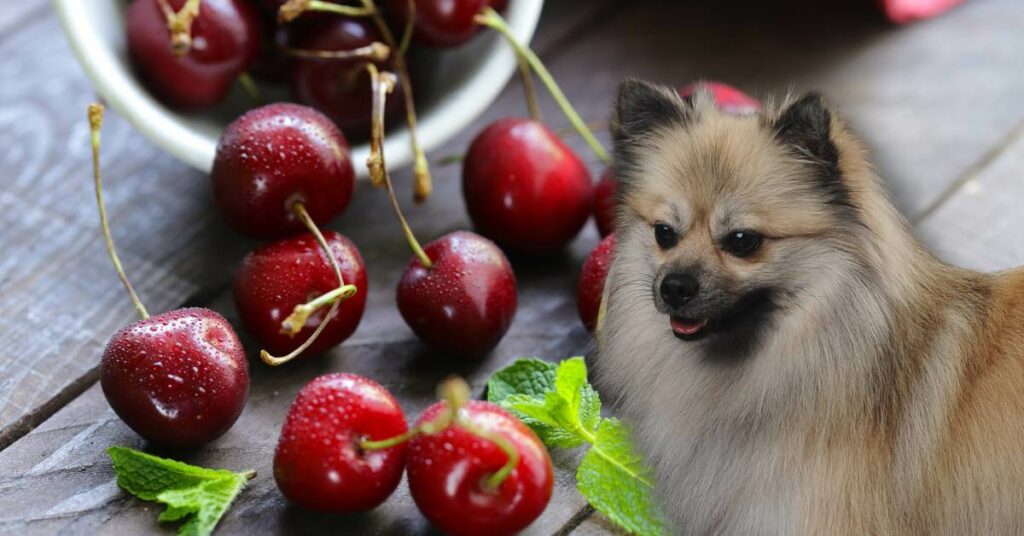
(687, 327)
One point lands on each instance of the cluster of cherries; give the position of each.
(472, 467)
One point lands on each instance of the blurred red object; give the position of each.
(904, 11)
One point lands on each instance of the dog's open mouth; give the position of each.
(686, 328)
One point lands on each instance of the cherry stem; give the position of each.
(251, 89)
(297, 320)
(180, 24)
(409, 26)
(382, 83)
(422, 184)
(95, 123)
(528, 87)
(375, 51)
(292, 9)
(490, 18)
(455, 393)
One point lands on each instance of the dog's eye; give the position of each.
(742, 243)
(665, 236)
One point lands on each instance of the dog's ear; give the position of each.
(641, 108)
(806, 126)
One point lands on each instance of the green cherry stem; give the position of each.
(292, 9)
(297, 320)
(180, 24)
(410, 20)
(95, 123)
(455, 393)
(490, 18)
(375, 51)
(528, 87)
(422, 183)
(250, 88)
(382, 83)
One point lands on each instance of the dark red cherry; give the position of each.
(441, 23)
(276, 277)
(465, 303)
(275, 156)
(727, 98)
(179, 379)
(448, 471)
(524, 188)
(605, 203)
(319, 463)
(225, 39)
(340, 88)
(590, 288)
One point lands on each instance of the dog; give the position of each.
(789, 358)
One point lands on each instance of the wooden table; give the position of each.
(941, 104)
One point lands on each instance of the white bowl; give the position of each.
(456, 88)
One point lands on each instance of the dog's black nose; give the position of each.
(677, 289)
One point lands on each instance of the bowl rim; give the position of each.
(121, 91)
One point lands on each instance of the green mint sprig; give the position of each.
(561, 406)
(203, 495)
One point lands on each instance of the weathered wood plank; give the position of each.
(15, 13)
(56, 285)
(979, 226)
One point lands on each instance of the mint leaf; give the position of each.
(614, 479)
(567, 414)
(583, 401)
(525, 376)
(187, 490)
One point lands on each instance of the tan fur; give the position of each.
(887, 397)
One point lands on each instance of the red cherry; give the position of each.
(524, 188)
(340, 88)
(466, 301)
(441, 23)
(727, 98)
(276, 277)
(319, 463)
(179, 379)
(448, 471)
(591, 285)
(275, 156)
(224, 41)
(605, 203)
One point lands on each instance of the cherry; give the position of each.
(180, 378)
(274, 157)
(590, 289)
(279, 276)
(524, 188)
(727, 98)
(189, 54)
(465, 478)
(339, 87)
(459, 293)
(321, 462)
(605, 203)
(465, 300)
(441, 23)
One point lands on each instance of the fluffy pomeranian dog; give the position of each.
(790, 358)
